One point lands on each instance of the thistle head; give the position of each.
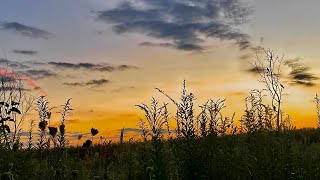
(53, 131)
(43, 125)
(94, 131)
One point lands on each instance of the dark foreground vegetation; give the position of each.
(268, 155)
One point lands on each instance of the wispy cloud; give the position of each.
(38, 74)
(25, 52)
(135, 130)
(90, 66)
(40, 70)
(68, 122)
(123, 89)
(255, 70)
(31, 71)
(35, 86)
(25, 30)
(92, 83)
(300, 73)
(184, 24)
(27, 69)
(13, 64)
(7, 75)
(186, 47)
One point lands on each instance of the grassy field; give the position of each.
(268, 155)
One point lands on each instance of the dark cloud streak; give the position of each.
(25, 52)
(38, 74)
(186, 24)
(92, 83)
(300, 74)
(25, 30)
(255, 70)
(94, 67)
(12, 64)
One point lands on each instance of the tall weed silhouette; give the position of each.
(184, 116)
(258, 116)
(65, 113)
(44, 113)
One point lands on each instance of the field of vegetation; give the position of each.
(293, 154)
(181, 144)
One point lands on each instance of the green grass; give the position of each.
(268, 155)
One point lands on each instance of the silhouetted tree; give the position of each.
(270, 73)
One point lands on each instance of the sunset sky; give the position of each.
(108, 55)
